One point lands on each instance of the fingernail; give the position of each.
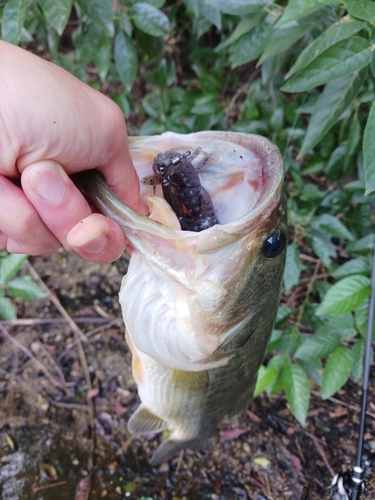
(48, 182)
(93, 245)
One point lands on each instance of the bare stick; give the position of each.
(36, 362)
(79, 336)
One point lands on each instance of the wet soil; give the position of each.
(62, 436)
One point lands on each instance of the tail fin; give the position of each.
(170, 447)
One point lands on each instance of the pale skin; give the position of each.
(51, 126)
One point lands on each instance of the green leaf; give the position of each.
(363, 245)
(369, 151)
(287, 35)
(334, 34)
(361, 318)
(13, 20)
(25, 288)
(359, 265)
(358, 351)
(300, 8)
(314, 369)
(149, 19)
(212, 14)
(57, 13)
(362, 9)
(340, 60)
(296, 386)
(156, 3)
(323, 247)
(266, 377)
(318, 346)
(332, 102)
(336, 371)
(293, 266)
(7, 309)
(238, 7)
(283, 314)
(342, 326)
(333, 226)
(103, 56)
(245, 25)
(99, 11)
(126, 59)
(10, 265)
(250, 45)
(345, 295)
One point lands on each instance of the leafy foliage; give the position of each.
(22, 287)
(296, 71)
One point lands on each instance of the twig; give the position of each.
(342, 403)
(322, 454)
(239, 92)
(36, 362)
(69, 406)
(44, 487)
(180, 460)
(89, 334)
(56, 302)
(79, 336)
(46, 321)
(53, 362)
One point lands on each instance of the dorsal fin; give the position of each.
(143, 421)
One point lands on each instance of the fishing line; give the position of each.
(350, 485)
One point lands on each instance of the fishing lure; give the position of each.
(183, 190)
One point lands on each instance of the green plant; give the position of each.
(296, 71)
(22, 287)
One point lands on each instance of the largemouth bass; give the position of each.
(199, 307)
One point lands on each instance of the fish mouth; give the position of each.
(243, 177)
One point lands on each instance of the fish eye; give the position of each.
(274, 244)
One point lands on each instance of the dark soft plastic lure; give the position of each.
(183, 190)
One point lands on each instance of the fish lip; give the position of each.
(220, 235)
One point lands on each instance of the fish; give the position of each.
(199, 307)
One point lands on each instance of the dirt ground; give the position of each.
(55, 442)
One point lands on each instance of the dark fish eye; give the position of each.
(274, 244)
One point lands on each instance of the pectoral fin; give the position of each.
(143, 421)
(190, 381)
(170, 447)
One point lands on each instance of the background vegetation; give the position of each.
(300, 73)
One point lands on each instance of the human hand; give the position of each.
(51, 126)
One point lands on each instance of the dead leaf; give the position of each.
(119, 409)
(83, 489)
(50, 471)
(229, 434)
(92, 393)
(10, 442)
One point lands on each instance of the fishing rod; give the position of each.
(349, 485)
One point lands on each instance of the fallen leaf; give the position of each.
(104, 424)
(119, 409)
(262, 462)
(229, 434)
(92, 393)
(10, 442)
(50, 471)
(83, 489)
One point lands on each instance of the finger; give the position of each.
(66, 213)
(57, 200)
(97, 238)
(21, 229)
